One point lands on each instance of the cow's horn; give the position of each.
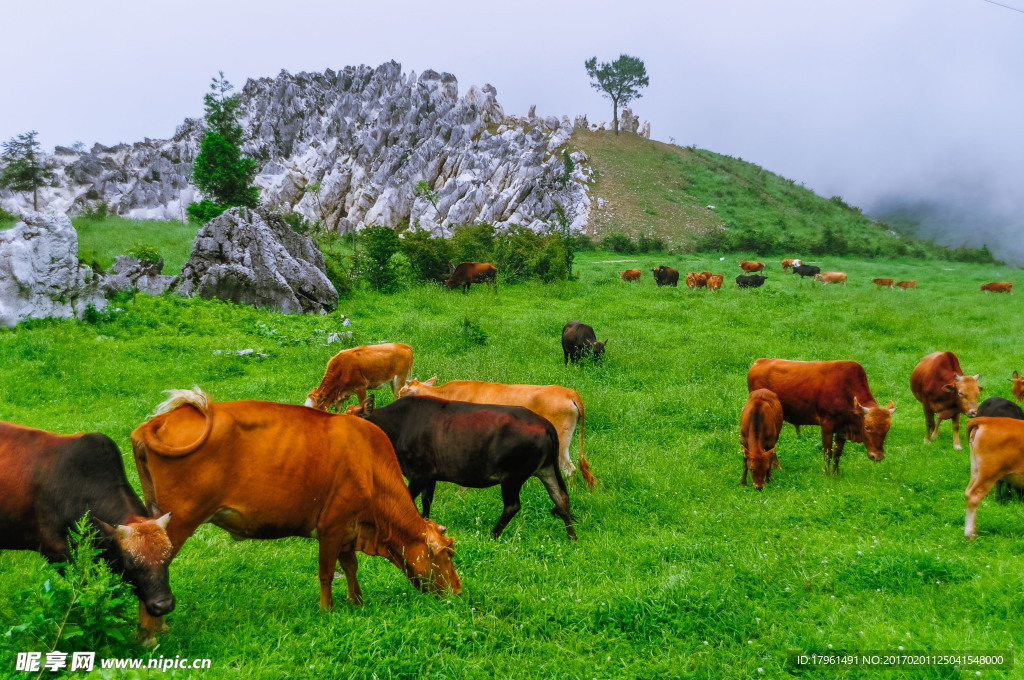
(441, 529)
(124, 532)
(162, 522)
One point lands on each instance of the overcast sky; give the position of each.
(867, 99)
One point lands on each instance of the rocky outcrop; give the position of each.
(366, 136)
(252, 257)
(40, 275)
(142, 275)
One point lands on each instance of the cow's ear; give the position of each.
(1016, 376)
(430, 382)
(856, 403)
(977, 377)
(605, 343)
(105, 528)
(124, 532)
(949, 387)
(891, 407)
(154, 510)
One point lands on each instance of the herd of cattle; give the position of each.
(260, 469)
(667, 276)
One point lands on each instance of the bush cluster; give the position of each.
(620, 243)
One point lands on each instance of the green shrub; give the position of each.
(90, 259)
(300, 224)
(554, 262)
(381, 244)
(95, 211)
(144, 253)
(473, 243)
(619, 243)
(429, 257)
(86, 609)
(203, 211)
(515, 253)
(582, 242)
(650, 244)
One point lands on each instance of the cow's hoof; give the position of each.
(957, 447)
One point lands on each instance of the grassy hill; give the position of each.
(695, 199)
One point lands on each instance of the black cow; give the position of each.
(750, 281)
(806, 270)
(474, 445)
(49, 481)
(666, 276)
(1003, 408)
(578, 340)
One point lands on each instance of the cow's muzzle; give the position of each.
(876, 455)
(160, 607)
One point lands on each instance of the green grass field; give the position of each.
(679, 571)
(103, 240)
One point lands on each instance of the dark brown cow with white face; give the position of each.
(760, 424)
(832, 394)
(939, 384)
(49, 481)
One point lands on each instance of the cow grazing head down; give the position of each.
(760, 466)
(1017, 387)
(142, 555)
(429, 566)
(875, 422)
(966, 388)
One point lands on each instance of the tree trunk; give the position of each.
(615, 115)
(35, 198)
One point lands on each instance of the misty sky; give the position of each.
(868, 99)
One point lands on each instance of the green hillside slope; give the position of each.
(700, 200)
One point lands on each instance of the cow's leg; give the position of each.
(976, 491)
(826, 444)
(565, 430)
(510, 496)
(930, 428)
(416, 487)
(428, 497)
(349, 564)
(329, 555)
(743, 482)
(836, 453)
(555, 485)
(956, 431)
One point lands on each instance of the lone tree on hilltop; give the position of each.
(620, 81)
(220, 171)
(23, 166)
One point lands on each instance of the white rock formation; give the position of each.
(367, 135)
(252, 257)
(40, 275)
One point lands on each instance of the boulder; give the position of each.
(142, 275)
(253, 257)
(40, 275)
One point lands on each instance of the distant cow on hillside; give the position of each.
(750, 281)
(906, 284)
(666, 276)
(806, 270)
(630, 275)
(998, 286)
(473, 272)
(786, 264)
(578, 340)
(831, 277)
(751, 267)
(883, 283)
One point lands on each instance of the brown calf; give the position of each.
(630, 275)
(882, 282)
(715, 281)
(906, 284)
(997, 453)
(831, 277)
(939, 384)
(697, 280)
(998, 286)
(751, 267)
(760, 425)
(356, 370)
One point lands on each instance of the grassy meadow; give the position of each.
(679, 571)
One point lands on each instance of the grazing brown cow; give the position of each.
(1017, 388)
(751, 267)
(760, 424)
(998, 286)
(697, 280)
(560, 405)
(665, 276)
(997, 453)
(715, 281)
(882, 282)
(831, 277)
(263, 470)
(832, 394)
(786, 264)
(50, 481)
(630, 275)
(473, 272)
(906, 284)
(939, 384)
(356, 370)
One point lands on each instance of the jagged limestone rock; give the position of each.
(40, 275)
(367, 136)
(253, 257)
(143, 275)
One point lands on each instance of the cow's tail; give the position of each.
(195, 398)
(588, 476)
(972, 428)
